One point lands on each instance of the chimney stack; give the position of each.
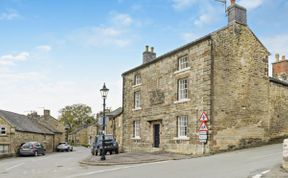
(46, 113)
(277, 57)
(236, 13)
(148, 56)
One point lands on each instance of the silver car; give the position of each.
(64, 146)
(32, 149)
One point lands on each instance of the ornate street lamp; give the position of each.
(104, 92)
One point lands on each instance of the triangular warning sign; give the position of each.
(203, 127)
(204, 117)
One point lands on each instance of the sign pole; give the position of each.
(203, 148)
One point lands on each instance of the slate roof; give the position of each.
(206, 37)
(115, 113)
(23, 123)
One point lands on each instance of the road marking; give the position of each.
(12, 167)
(114, 169)
(261, 174)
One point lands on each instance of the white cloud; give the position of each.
(118, 34)
(189, 37)
(100, 37)
(251, 4)
(182, 4)
(44, 48)
(277, 43)
(10, 59)
(122, 19)
(208, 15)
(10, 14)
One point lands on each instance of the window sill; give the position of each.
(136, 109)
(182, 70)
(136, 138)
(182, 138)
(182, 101)
(3, 135)
(137, 85)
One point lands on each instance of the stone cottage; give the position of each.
(85, 135)
(17, 129)
(224, 74)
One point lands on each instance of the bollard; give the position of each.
(285, 154)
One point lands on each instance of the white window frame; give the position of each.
(183, 63)
(3, 130)
(136, 129)
(137, 79)
(182, 124)
(137, 100)
(4, 148)
(182, 89)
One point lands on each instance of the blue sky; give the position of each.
(60, 52)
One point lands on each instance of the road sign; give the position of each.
(203, 136)
(204, 117)
(100, 121)
(203, 127)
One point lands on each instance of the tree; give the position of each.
(76, 115)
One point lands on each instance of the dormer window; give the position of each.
(137, 79)
(183, 63)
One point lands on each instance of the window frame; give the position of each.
(183, 89)
(182, 126)
(3, 130)
(137, 100)
(137, 79)
(4, 148)
(183, 63)
(136, 129)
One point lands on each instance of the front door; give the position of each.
(156, 135)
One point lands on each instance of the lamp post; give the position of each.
(104, 92)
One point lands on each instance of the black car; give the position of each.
(110, 143)
(32, 148)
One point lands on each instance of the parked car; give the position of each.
(110, 144)
(32, 148)
(64, 146)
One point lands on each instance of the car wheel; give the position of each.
(117, 151)
(96, 152)
(36, 153)
(110, 152)
(67, 150)
(43, 153)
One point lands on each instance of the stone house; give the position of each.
(224, 74)
(17, 129)
(85, 135)
(115, 126)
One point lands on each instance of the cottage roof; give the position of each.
(115, 113)
(23, 123)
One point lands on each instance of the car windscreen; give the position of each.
(27, 145)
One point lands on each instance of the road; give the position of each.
(241, 163)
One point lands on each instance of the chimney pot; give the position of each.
(232, 2)
(146, 48)
(277, 57)
(148, 55)
(283, 58)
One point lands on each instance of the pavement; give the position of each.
(133, 158)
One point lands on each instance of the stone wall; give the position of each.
(159, 100)
(278, 97)
(240, 104)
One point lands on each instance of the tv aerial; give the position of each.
(225, 4)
